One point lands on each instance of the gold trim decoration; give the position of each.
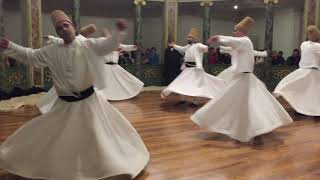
(206, 3)
(140, 2)
(271, 1)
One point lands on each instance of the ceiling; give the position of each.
(125, 8)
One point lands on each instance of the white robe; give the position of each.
(228, 72)
(246, 109)
(301, 87)
(121, 85)
(194, 81)
(83, 140)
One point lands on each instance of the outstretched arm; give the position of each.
(181, 49)
(128, 47)
(34, 57)
(203, 48)
(225, 49)
(260, 53)
(48, 40)
(226, 40)
(104, 45)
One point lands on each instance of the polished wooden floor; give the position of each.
(181, 150)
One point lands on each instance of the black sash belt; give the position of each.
(111, 63)
(80, 96)
(190, 64)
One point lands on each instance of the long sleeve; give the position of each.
(48, 40)
(260, 53)
(203, 48)
(230, 41)
(128, 47)
(180, 48)
(34, 57)
(104, 45)
(225, 49)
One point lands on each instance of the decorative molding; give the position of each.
(33, 34)
(170, 23)
(206, 3)
(271, 1)
(150, 75)
(140, 2)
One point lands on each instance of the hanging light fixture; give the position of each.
(235, 6)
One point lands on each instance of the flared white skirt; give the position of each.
(247, 109)
(196, 82)
(121, 84)
(301, 89)
(84, 140)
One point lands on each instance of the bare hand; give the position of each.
(213, 39)
(4, 43)
(122, 24)
(171, 44)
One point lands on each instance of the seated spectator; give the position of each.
(153, 56)
(212, 56)
(277, 58)
(280, 58)
(145, 56)
(294, 60)
(127, 58)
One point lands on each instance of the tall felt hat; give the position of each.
(88, 30)
(245, 24)
(194, 33)
(313, 33)
(58, 16)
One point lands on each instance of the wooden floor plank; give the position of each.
(181, 150)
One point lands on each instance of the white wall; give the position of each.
(13, 26)
(152, 33)
(287, 28)
(218, 26)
